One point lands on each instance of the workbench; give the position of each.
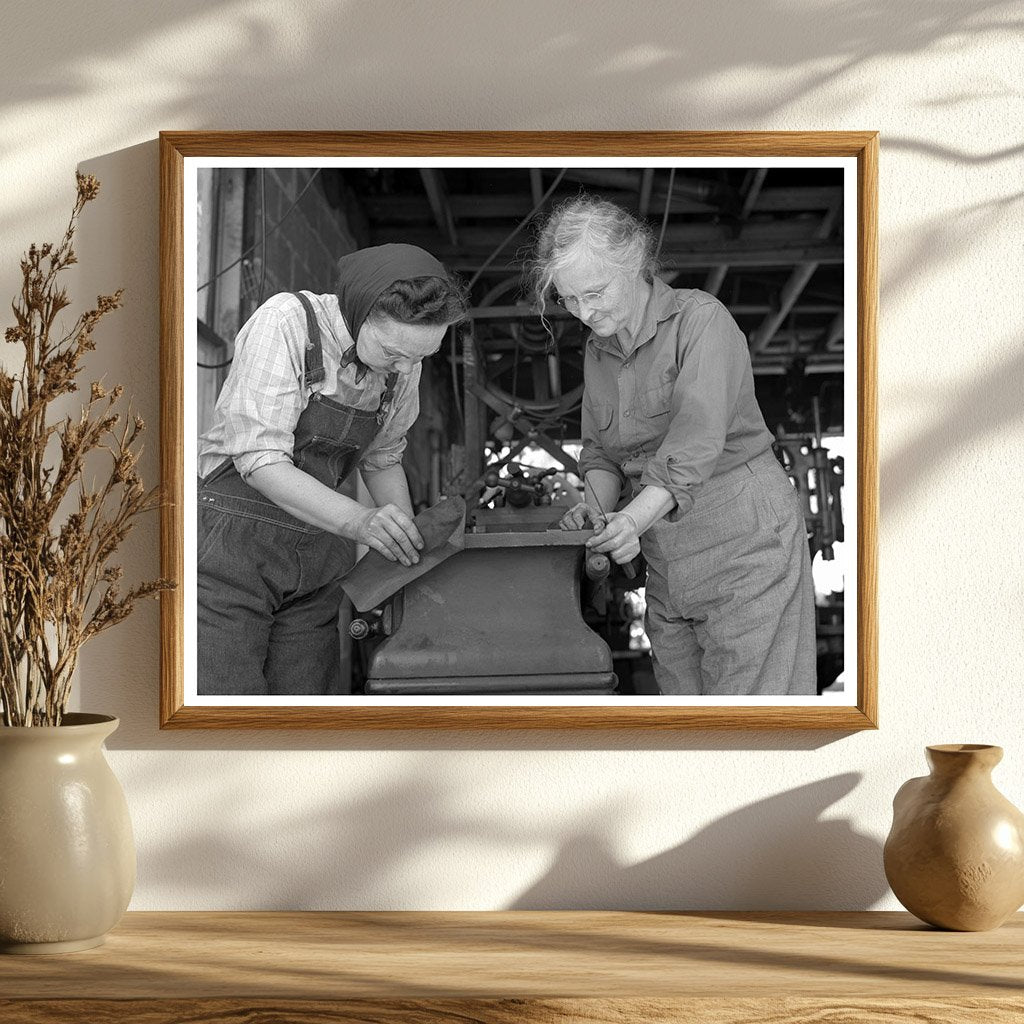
(595, 966)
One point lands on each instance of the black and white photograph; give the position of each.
(519, 432)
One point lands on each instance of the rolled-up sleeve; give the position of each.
(712, 359)
(262, 398)
(593, 455)
(387, 447)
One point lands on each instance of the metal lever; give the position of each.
(630, 568)
(375, 623)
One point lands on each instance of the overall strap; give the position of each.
(314, 349)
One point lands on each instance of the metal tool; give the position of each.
(630, 568)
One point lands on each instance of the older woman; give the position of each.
(678, 463)
(319, 385)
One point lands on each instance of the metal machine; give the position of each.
(500, 613)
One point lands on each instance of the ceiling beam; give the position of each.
(833, 337)
(401, 209)
(791, 290)
(798, 197)
(556, 312)
(437, 196)
(536, 188)
(474, 239)
(716, 275)
(646, 181)
(752, 189)
(810, 366)
(710, 193)
(736, 255)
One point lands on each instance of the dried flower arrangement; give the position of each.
(58, 588)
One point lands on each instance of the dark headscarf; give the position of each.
(365, 274)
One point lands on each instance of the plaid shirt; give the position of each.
(678, 408)
(263, 396)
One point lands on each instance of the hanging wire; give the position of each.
(515, 369)
(263, 236)
(262, 245)
(668, 207)
(215, 366)
(252, 248)
(519, 227)
(453, 334)
(487, 262)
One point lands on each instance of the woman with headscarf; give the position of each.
(678, 463)
(319, 384)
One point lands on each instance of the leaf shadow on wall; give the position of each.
(324, 65)
(415, 842)
(777, 853)
(986, 406)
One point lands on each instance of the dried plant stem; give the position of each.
(58, 587)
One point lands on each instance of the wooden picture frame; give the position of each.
(856, 153)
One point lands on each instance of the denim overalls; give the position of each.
(268, 583)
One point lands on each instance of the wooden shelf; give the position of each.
(506, 968)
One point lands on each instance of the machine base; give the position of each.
(572, 682)
(503, 615)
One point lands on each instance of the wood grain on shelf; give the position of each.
(525, 966)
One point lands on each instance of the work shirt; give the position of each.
(264, 393)
(679, 406)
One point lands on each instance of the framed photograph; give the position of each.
(519, 430)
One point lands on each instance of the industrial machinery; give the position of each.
(498, 612)
(817, 475)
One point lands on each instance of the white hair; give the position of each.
(590, 228)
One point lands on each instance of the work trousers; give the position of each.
(268, 603)
(730, 600)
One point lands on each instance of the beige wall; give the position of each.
(499, 820)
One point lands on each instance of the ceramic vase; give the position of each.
(67, 855)
(955, 854)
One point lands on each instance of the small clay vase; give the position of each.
(67, 856)
(955, 854)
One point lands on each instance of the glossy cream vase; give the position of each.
(955, 855)
(67, 855)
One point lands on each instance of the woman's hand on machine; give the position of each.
(579, 517)
(618, 537)
(391, 532)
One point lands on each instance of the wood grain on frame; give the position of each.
(175, 146)
(172, 448)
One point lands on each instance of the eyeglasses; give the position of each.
(573, 303)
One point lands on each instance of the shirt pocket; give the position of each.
(603, 416)
(657, 401)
